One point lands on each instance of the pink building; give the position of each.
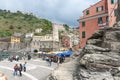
(97, 16)
(112, 12)
(94, 18)
(65, 41)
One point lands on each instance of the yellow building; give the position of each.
(15, 39)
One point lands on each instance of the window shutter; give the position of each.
(83, 34)
(98, 20)
(83, 23)
(115, 12)
(97, 9)
(112, 1)
(102, 8)
(87, 12)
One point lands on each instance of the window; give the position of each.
(113, 1)
(106, 18)
(99, 9)
(87, 12)
(83, 23)
(115, 12)
(100, 20)
(83, 34)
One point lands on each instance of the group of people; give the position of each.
(15, 58)
(55, 59)
(19, 68)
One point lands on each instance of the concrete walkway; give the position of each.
(36, 69)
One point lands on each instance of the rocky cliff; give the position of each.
(98, 60)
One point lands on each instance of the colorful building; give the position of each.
(112, 12)
(44, 43)
(65, 41)
(15, 39)
(95, 17)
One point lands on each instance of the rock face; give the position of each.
(98, 60)
(64, 72)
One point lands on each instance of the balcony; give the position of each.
(103, 24)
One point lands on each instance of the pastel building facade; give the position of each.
(112, 11)
(100, 15)
(94, 18)
(44, 43)
(15, 39)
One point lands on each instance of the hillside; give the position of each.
(22, 23)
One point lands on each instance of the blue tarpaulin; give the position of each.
(66, 53)
(60, 55)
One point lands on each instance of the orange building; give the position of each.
(94, 18)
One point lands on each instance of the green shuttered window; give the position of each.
(83, 23)
(83, 34)
(115, 12)
(87, 12)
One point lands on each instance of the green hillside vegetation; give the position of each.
(66, 27)
(22, 23)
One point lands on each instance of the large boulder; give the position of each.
(95, 75)
(99, 61)
(106, 38)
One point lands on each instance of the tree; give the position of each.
(19, 27)
(5, 33)
(11, 27)
(66, 27)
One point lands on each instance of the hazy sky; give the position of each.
(57, 11)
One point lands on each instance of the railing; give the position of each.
(103, 24)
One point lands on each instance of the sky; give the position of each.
(57, 11)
